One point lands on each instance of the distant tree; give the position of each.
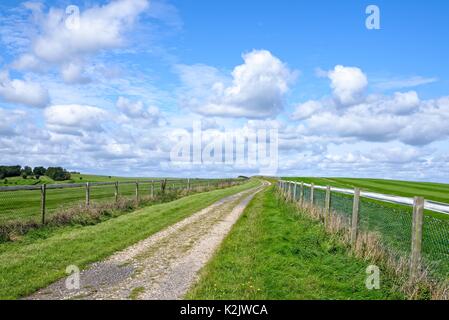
(2, 175)
(39, 171)
(24, 175)
(27, 170)
(58, 174)
(10, 171)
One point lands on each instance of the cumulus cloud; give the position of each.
(306, 110)
(137, 110)
(99, 28)
(73, 73)
(70, 119)
(60, 39)
(402, 116)
(348, 84)
(23, 92)
(256, 88)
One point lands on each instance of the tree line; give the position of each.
(55, 173)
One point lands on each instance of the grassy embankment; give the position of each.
(40, 257)
(274, 253)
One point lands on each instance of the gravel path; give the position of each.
(163, 266)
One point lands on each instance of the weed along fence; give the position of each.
(408, 232)
(38, 202)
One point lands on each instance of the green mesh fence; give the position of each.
(319, 197)
(16, 205)
(59, 199)
(393, 224)
(342, 204)
(306, 194)
(435, 245)
(102, 193)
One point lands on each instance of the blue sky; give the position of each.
(111, 96)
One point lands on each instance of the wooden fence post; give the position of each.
(301, 194)
(327, 205)
(355, 216)
(312, 187)
(116, 191)
(87, 194)
(417, 226)
(43, 200)
(152, 189)
(188, 185)
(294, 191)
(137, 192)
(163, 185)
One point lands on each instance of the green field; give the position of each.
(41, 256)
(274, 253)
(428, 190)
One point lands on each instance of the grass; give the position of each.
(274, 253)
(40, 257)
(429, 190)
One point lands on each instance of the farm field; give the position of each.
(429, 190)
(274, 253)
(41, 256)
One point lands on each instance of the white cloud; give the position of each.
(256, 90)
(404, 83)
(28, 62)
(49, 39)
(306, 110)
(23, 92)
(137, 110)
(348, 84)
(404, 103)
(70, 119)
(74, 73)
(99, 28)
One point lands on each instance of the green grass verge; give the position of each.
(39, 259)
(274, 253)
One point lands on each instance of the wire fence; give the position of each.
(397, 226)
(39, 202)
